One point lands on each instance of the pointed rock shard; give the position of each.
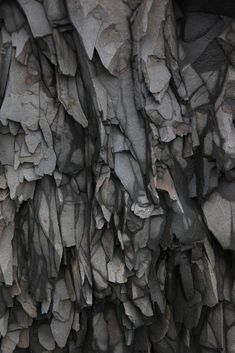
(61, 329)
(7, 149)
(36, 17)
(12, 16)
(68, 96)
(10, 341)
(87, 18)
(55, 10)
(133, 314)
(67, 222)
(45, 337)
(219, 214)
(4, 324)
(100, 332)
(99, 266)
(116, 270)
(65, 55)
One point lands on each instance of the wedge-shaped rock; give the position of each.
(36, 17)
(10, 341)
(116, 269)
(7, 149)
(219, 214)
(133, 314)
(68, 96)
(45, 337)
(98, 263)
(129, 173)
(100, 332)
(61, 329)
(12, 16)
(65, 55)
(87, 18)
(55, 10)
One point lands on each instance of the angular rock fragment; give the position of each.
(117, 176)
(36, 17)
(219, 215)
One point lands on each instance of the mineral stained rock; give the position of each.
(117, 176)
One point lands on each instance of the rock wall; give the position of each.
(117, 176)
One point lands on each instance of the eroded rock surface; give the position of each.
(117, 182)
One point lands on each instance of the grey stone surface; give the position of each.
(117, 156)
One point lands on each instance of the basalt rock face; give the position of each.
(117, 176)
